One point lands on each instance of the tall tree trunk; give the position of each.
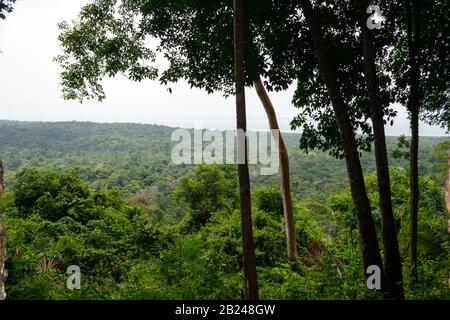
(3, 241)
(251, 285)
(2, 183)
(392, 259)
(368, 238)
(413, 34)
(3, 272)
(284, 169)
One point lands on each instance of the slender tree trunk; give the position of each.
(368, 238)
(3, 272)
(412, 12)
(284, 169)
(392, 259)
(2, 183)
(3, 242)
(251, 285)
(414, 190)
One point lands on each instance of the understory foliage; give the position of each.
(54, 220)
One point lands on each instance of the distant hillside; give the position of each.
(133, 157)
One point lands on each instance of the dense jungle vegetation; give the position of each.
(110, 201)
(107, 198)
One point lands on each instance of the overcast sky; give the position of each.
(29, 82)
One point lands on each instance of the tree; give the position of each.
(392, 259)
(92, 51)
(5, 7)
(428, 88)
(3, 242)
(284, 169)
(413, 35)
(204, 192)
(251, 285)
(54, 196)
(369, 242)
(421, 84)
(195, 37)
(432, 42)
(392, 43)
(103, 45)
(268, 199)
(2, 183)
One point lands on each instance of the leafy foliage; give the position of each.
(5, 7)
(141, 228)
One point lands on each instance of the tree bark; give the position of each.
(368, 238)
(413, 35)
(284, 169)
(251, 285)
(3, 242)
(392, 259)
(2, 183)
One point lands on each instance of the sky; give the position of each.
(30, 84)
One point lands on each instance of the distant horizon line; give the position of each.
(176, 127)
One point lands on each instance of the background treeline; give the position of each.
(106, 197)
(132, 157)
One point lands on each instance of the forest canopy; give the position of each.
(175, 235)
(344, 211)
